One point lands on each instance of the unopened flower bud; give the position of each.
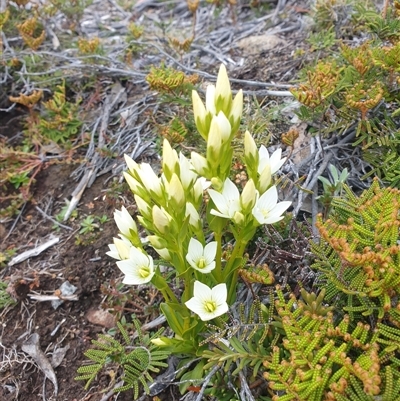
(217, 183)
(251, 154)
(150, 180)
(135, 186)
(170, 161)
(157, 242)
(161, 220)
(248, 197)
(143, 207)
(125, 223)
(199, 163)
(132, 165)
(223, 125)
(236, 111)
(210, 100)
(186, 174)
(223, 93)
(192, 5)
(194, 218)
(200, 115)
(176, 192)
(238, 218)
(214, 144)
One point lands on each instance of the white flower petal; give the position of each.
(196, 305)
(219, 293)
(276, 161)
(219, 201)
(281, 207)
(113, 252)
(210, 250)
(201, 291)
(195, 251)
(132, 165)
(268, 199)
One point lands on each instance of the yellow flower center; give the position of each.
(210, 306)
(144, 271)
(265, 212)
(201, 263)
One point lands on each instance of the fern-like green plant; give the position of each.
(137, 360)
(357, 89)
(359, 254)
(320, 360)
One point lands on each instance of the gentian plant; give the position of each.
(187, 212)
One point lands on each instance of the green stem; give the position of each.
(218, 262)
(162, 286)
(240, 246)
(187, 293)
(232, 287)
(236, 253)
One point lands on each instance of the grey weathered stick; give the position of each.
(32, 347)
(33, 252)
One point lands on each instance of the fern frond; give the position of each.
(137, 361)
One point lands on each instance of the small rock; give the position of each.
(101, 317)
(254, 45)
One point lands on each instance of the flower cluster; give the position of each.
(217, 122)
(186, 231)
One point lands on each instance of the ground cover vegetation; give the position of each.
(258, 239)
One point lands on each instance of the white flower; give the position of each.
(267, 210)
(125, 222)
(201, 259)
(119, 249)
(227, 202)
(275, 161)
(138, 269)
(207, 302)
